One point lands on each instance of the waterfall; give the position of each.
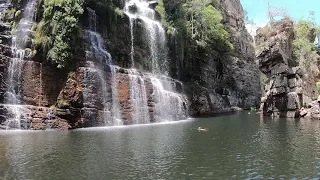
(156, 35)
(103, 83)
(98, 49)
(97, 55)
(168, 104)
(92, 18)
(138, 95)
(152, 96)
(176, 53)
(20, 41)
(115, 98)
(132, 43)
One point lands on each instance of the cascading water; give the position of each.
(20, 41)
(115, 100)
(161, 102)
(97, 55)
(132, 43)
(176, 54)
(168, 105)
(138, 95)
(154, 31)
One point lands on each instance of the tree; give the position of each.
(204, 25)
(303, 47)
(57, 32)
(274, 11)
(311, 17)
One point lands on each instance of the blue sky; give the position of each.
(257, 9)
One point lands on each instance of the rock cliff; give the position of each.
(103, 89)
(286, 90)
(227, 79)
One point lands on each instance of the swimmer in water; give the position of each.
(200, 129)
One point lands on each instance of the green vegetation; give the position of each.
(198, 20)
(118, 11)
(17, 14)
(16, 3)
(214, 31)
(34, 27)
(160, 9)
(62, 103)
(57, 32)
(8, 16)
(303, 47)
(34, 52)
(318, 87)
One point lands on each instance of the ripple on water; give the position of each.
(236, 147)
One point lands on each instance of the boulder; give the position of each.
(303, 112)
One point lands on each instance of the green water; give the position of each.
(239, 146)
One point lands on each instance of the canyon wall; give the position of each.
(227, 79)
(120, 76)
(289, 88)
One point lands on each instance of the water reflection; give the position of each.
(239, 146)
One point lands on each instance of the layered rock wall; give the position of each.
(228, 79)
(284, 91)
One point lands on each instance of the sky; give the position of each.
(297, 9)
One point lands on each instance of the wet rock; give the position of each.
(303, 112)
(4, 28)
(240, 78)
(291, 114)
(61, 124)
(293, 101)
(33, 117)
(96, 87)
(5, 39)
(72, 94)
(4, 64)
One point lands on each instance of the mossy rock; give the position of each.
(63, 104)
(8, 16)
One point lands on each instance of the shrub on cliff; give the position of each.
(199, 20)
(214, 31)
(303, 47)
(160, 9)
(57, 32)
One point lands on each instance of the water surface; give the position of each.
(239, 146)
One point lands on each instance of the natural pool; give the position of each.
(238, 146)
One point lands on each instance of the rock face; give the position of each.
(228, 80)
(94, 92)
(98, 91)
(284, 89)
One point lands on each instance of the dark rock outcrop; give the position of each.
(284, 90)
(227, 80)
